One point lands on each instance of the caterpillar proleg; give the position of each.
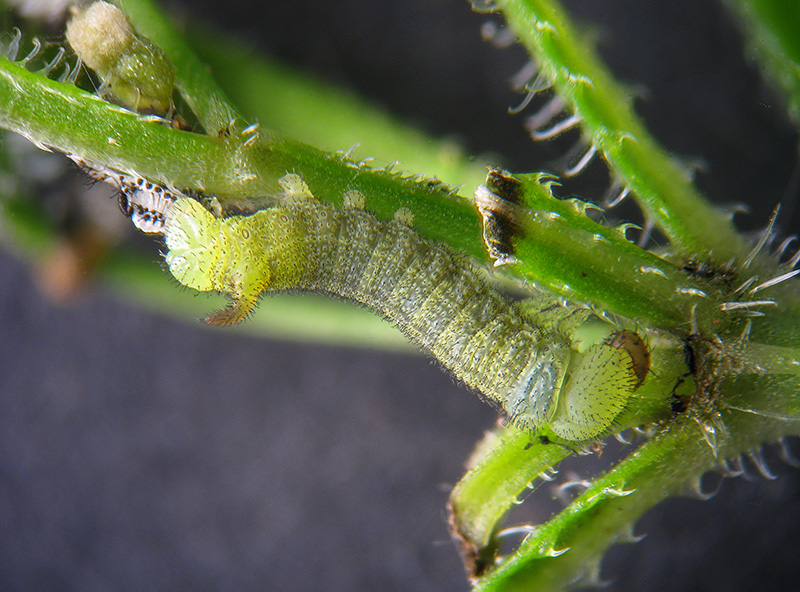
(438, 300)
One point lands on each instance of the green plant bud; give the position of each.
(136, 72)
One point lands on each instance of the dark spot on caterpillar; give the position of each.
(678, 403)
(636, 348)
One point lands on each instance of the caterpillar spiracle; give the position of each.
(440, 302)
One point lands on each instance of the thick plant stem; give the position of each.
(619, 275)
(566, 551)
(480, 499)
(70, 120)
(610, 124)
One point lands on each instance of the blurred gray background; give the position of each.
(137, 452)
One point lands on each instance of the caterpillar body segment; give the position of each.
(599, 385)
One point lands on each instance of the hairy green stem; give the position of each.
(566, 551)
(480, 499)
(618, 275)
(73, 121)
(608, 120)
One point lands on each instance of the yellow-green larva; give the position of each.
(130, 67)
(435, 297)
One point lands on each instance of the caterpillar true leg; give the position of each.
(239, 310)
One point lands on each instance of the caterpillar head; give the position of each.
(241, 256)
(192, 236)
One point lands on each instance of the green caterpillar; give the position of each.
(439, 301)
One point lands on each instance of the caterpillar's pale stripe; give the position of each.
(437, 299)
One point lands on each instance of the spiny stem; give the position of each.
(659, 185)
(571, 254)
(73, 121)
(480, 499)
(558, 554)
